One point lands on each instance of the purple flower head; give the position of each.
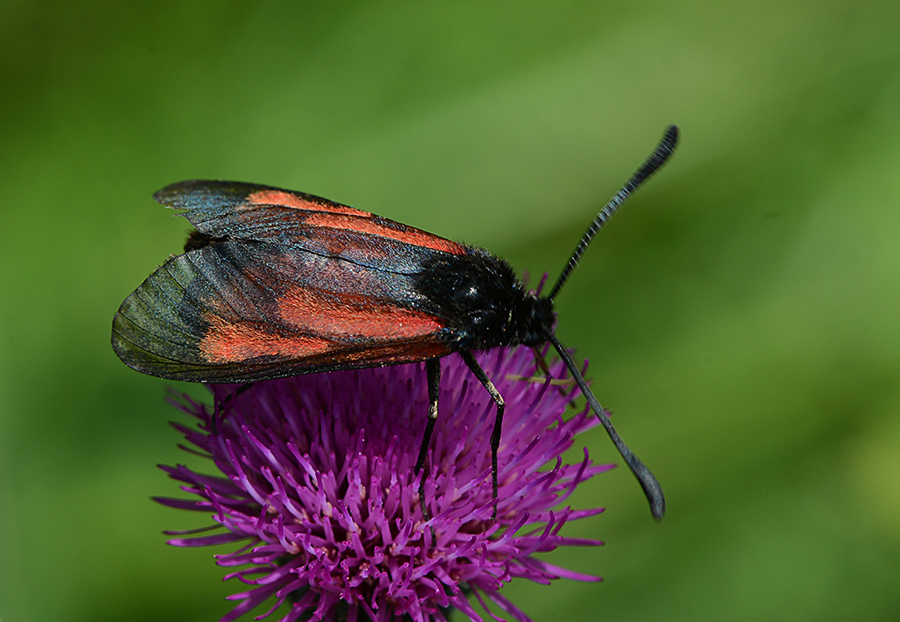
(319, 482)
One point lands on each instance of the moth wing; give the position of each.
(223, 209)
(240, 310)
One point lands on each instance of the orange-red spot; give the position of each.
(232, 343)
(400, 233)
(288, 199)
(343, 316)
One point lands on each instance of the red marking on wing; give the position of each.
(358, 317)
(287, 199)
(337, 216)
(386, 229)
(230, 343)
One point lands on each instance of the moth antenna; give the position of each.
(659, 156)
(648, 481)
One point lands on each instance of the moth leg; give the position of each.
(433, 368)
(498, 421)
(566, 385)
(540, 362)
(220, 407)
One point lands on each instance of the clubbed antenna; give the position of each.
(648, 481)
(654, 162)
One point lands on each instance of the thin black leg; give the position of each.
(219, 408)
(433, 368)
(540, 362)
(498, 422)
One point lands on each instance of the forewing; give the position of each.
(238, 310)
(236, 210)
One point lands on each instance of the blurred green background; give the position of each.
(741, 314)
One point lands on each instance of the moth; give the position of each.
(275, 283)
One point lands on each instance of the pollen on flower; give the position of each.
(318, 485)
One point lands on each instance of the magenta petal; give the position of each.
(317, 477)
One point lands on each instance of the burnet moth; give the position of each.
(276, 283)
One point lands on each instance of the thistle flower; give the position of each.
(319, 483)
